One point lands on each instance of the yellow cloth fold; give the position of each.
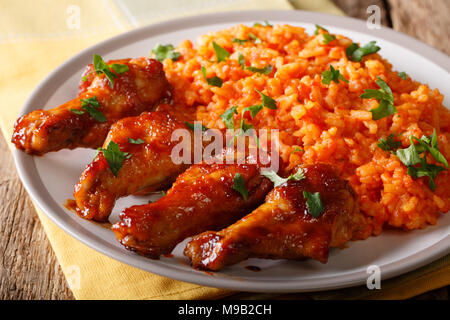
(37, 36)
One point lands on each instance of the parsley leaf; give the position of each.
(100, 66)
(254, 38)
(114, 157)
(240, 41)
(389, 144)
(265, 23)
(213, 81)
(403, 75)
(253, 110)
(265, 70)
(277, 180)
(267, 101)
(221, 53)
(239, 185)
(327, 38)
(411, 157)
(297, 149)
(91, 105)
(76, 111)
(195, 125)
(332, 75)
(384, 96)
(313, 203)
(137, 141)
(163, 52)
(355, 53)
(319, 28)
(241, 60)
(227, 117)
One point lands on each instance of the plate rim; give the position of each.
(28, 172)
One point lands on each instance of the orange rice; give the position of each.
(330, 123)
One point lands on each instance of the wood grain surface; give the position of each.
(29, 269)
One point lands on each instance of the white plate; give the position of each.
(50, 179)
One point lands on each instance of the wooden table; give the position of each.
(29, 269)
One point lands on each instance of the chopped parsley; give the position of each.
(410, 157)
(356, 53)
(327, 38)
(100, 66)
(91, 105)
(137, 141)
(297, 149)
(384, 97)
(239, 185)
(240, 41)
(213, 81)
(389, 144)
(265, 23)
(221, 53)
(313, 203)
(265, 70)
(267, 101)
(277, 180)
(319, 28)
(403, 75)
(193, 126)
(254, 38)
(163, 52)
(227, 117)
(241, 60)
(114, 157)
(332, 75)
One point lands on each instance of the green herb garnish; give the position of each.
(332, 75)
(277, 180)
(265, 23)
(100, 66)
(241, 60)
(319, 28)
(403, 75)
(410, 157)
(267, 101)
(389, 144)
(355, 53)
(221, 53)
(313, 203)
(163, 52)
(193, 126)
(137, 141)
(265, 70)
(227, 117)
(327, 38)
(239, 185)
(91, 105)
(297, 149)
(385, 98)
(254, 38)
(213, 81)
(114, 157)
(240, 41)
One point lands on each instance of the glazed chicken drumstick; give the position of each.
(136, 86)
(283, 227)
(149, 166)
(202, 198)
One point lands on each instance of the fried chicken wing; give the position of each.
(71, 126)
(282, 227)
(202, 198)
(149, 168)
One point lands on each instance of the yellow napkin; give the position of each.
(38, 35)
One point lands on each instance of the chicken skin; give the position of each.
(283, 228)
(202, 198)
(85, 120)
(147, 139)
